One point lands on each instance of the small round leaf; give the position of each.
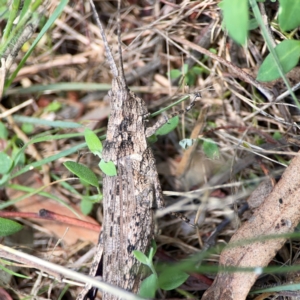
(93, 142)
(175, 74)
(86, 206)
(108, 168)
(211, 149)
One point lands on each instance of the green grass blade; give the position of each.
(63, 86)
(37, 121)
(48, 159)
(52, 19)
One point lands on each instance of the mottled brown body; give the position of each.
(129, 197)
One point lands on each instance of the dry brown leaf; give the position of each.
(36, 202)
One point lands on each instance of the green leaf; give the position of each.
(141, 257)
(174, 74)
(93, 198)
(277, 135)
(8, 227)
(108, 168)
(288, 53)
(3, 131)
(20, 157)
(253, 24)
(53, 107)
(152, 139)
(185, 69)
(190, 78)
(152, 250)
(210, 149)
(83, 172)
(168, 127)
(5, 163)
(93, 142)
(167, 282)
(198, 70)
(236, 19)
(148, 287)
(289, 12)
(27, 128)
(86, 206)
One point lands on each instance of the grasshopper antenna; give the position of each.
(119, 45)
(110, 58)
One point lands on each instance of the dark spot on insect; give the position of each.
(126, 144)
(127, 121)
(130, 248)
(109, 145)
(287, 223)
(110, 231)
(280, 201)
(277, 226)
(137, 223)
